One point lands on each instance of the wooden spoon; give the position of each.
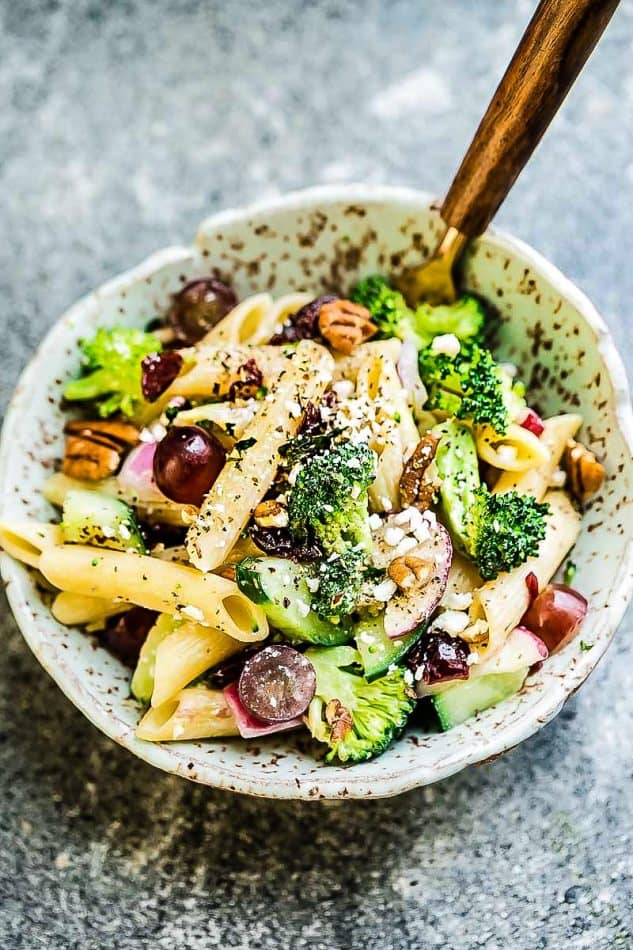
(552, 51)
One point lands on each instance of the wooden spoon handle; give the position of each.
(552, 51)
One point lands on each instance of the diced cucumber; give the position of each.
(90, 517)
(463, 700)
(143, 679)
(280, 587)
(378, 651)
(458, 469)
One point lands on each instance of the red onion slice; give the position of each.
(250, 727)
(136, 477)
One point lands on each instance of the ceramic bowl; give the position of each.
(312, 240)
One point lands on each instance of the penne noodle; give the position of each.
(557, 432)
(185, 654)
(503, 601)
(25, 540)
(463, 576)
(76, 609)
(243, 324)
(170, 588)
(216, 368)
(194, 713)
(516, 451)
(224, 416)
(244, 480)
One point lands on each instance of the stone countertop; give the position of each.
(124, 124)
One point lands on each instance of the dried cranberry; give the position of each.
(304, 324)
(199, 306)
(248, 383)
(439, 657)
(159, 370)
(124, 636)
(311, 421)
(279, 541)
(533, 423)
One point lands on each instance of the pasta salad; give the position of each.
(311, 513)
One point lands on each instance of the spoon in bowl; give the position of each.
(552, 51)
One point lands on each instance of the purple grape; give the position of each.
(199, 306)
(277, 684)
(186, 464)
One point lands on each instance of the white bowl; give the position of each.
(311, 240)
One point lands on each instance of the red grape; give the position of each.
(277, 684)
(199, 306)
(186, 464)
(556, 615)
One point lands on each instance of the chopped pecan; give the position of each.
(94, 448)
(345, 324)
(339, 718)
(248, 383)
(416, 488)
(406, 571)
(270, 514)
(584, 471)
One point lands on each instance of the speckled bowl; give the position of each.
(316, 239)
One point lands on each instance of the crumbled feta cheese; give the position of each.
(313, 584)
(507, 454)
(124, 531)
(408, 677)
(292, 474)
(393, 536)
(355, 491)
(302, 607)
(407, 544)
(403, 517)
(293, 408)
(385, 502)
(385, 590)
(445, 343)
(375, 522)
(158, 430)
(344, 388)
(146, 436)
(472, 658)
(452, 622)
(189, 610)
(454, 600)
(107, 531)
(558, 479)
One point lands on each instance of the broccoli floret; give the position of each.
(498, 532)
(504, 530)
(328, 501)
(469, 385)
(390, 313)
(356, 719)
(340, 580)
(111, 367)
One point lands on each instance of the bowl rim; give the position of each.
(343, 784)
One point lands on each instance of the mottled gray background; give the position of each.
(122, 124)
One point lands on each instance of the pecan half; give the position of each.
(416, 488)
(270, 514)
(339, 718)
(409, 570)
(94, 448)
(345, 324)
(585, 472)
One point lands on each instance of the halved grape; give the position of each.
(277, 684)
(186, 464)
(199, 306)
(556, 615)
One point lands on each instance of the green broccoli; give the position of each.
(356, 719)
(498, 532)
(111, 366)
(393, 317)
(470, 386)
(328, 502)
(340, 580)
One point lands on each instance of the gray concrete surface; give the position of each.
(121, 124)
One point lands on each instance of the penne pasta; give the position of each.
(217, 367)
(536, 481)
(503, 601)
(194, 713)
(149, 582)
(25, 540)
(244, 480)
(185, 654)
(243, 324)
(76, 609)
(516, 451)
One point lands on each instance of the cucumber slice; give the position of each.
(92, 518)
(458, 468)
(280, 587)
(457, 703)
(143, 679)
(378, 651)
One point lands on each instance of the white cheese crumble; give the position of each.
(375, 522)
(473, 658)
(302, 607)
(385, 590)
(344, 389)
(393, 536)
(507, 454)
(313, 584)
(558, 479)
(452, 622)
(445, 343)
(456, 600)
